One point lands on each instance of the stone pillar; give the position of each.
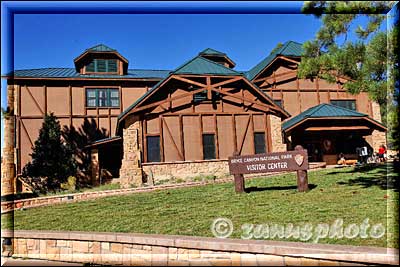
(8, 164)
(377, 138)
(276, 134)
(94, 166)
(131, 170)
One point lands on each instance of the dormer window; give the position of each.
(101, 59)
(102, 65)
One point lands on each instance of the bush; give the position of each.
(70, 185)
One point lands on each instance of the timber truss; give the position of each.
(259, 99)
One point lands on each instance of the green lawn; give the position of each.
(346, 193)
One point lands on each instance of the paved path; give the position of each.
(29, 262)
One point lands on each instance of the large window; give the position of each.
(153, 149)
(208, 146)
(349, 104)
(102, 65)
(102, 97)
(259, 143)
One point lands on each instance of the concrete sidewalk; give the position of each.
(30, 262)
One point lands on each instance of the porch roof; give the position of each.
(328, 111)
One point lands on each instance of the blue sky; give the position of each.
(154, 41)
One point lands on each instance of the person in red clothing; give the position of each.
(381, 153)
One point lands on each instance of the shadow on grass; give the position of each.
(380, 168)
(277, 188)
(380, 175)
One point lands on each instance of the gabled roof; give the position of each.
(210, 51)
(197, 66)
(72, 73)
(323, 111)
(200, 65)
(101, 48)
(290, 48)
(214, 53)
(98, 49)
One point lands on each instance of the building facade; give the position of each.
(146, 125)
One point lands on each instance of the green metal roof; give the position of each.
(72, 73)
(322, 111)
(200, 65)
(101, 48)
(289, 48)
(210, 51)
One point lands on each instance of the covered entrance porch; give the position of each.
(327, 131)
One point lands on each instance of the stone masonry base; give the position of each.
(163, 250)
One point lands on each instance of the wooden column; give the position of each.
(253, 149)
(298, 93)
(216, 137)
(302, 177)
(45, 98)
(181, 136)
(201, 137)
(234, 133)
(69, 105)
(161, 138)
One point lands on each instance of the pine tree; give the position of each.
(333, 54)
(52, 160)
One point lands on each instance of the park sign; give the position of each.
(296, 160)
(271, 162)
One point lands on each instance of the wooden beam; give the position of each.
(234, 133)
(171, 138)
(121, 105)
(201, 137)
(244, 136)
(245, 99)
(209, 93)
(160, 119)
(337, 128)
(34, 100)
(188, 81)
(144, 139)
(69, 105)
(253, 150)
(109, 122)
(181, 136)
(26, 132)
(267, 134)
(276, 76)
(45, 98)
(227, 82)
(166, 100)
(298, 94)
(210, 113)
(216, 137)
(288, 59)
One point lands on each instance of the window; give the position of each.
(201, 96)
(153, 149)
(278, 102)
(102, 97)
(102, 65)
(208, 146)
(349, 104)
(259, 143)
